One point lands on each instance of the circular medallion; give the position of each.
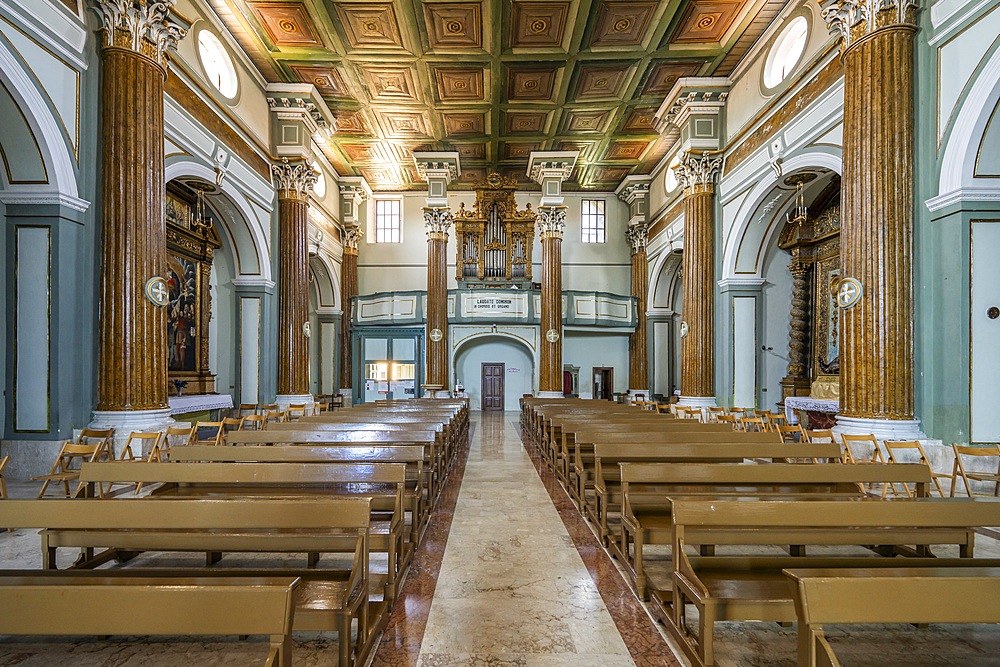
(306, 329)
(552, 335)
(849, 292)
(684, 329)
(993, 312)
(436, 335)
(157, 291)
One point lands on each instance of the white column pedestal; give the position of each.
(348, 395)
(550, 394)
(284, 400)
(882, 429)
(696, 401)
(126, 422)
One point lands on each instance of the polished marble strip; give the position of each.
(644, 641)
(400, 644)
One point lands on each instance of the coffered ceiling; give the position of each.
(495, 79)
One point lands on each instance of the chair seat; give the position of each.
(57, 477)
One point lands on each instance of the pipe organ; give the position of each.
(494, 239)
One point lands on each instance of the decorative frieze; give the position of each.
(559, 168)
(551, 221)
(352, 238)
(852, 20)
(149, 28)
(637, 235)
(697, 173)
(293, 180)
(437, 222)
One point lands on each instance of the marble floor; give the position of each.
(508, 574)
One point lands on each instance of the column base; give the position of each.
(284, 400)
(126, 422)
(882, 429)
(697, 401)
(550, 394)
(348, 395)
(442, 393)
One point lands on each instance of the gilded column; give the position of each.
(876, 256)
(348, 290)
(796, 383)
(132, 346)
(437, 222)
(293, 181)
(638, 344)
(697, 173)
(551, 222)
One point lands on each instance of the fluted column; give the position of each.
(437, 222)
(697, 173)
(796, 383)
(132, 346)
(348, 290)
(876, 238)
(551, 222)
(638, 344)
(294, 181)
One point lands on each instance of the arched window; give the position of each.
(218, 64)
(786, 51)
(319, 190)
(670, 180)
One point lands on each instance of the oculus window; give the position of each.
(218, 64)
(388, 219)
(594, 222)
(786, 51)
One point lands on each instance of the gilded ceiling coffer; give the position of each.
(132, 338)
(494, 239)
(876, 256)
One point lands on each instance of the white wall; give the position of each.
(518, 367)
(590, 350)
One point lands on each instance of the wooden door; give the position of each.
(493, 387)
(603, 383)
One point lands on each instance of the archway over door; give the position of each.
(495, 348)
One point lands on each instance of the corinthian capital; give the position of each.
(697, 174)
(638, 236)
(293, 180)
(850, 20)
(437, 222)
(145, 27)
(551, 221)
(352, 237)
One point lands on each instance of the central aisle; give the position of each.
(513, 589)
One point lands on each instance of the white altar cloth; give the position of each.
(793, 403)
(180, 405)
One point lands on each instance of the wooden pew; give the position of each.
(321, 525)
(647, 488)
(417, 500)
(382, 483)
(744, 588)
(56, 603)
(928, 594)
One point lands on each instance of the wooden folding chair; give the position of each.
(155, 454)
(728, 419)
(268, 408)
(774, 420)
(254, 423)
(894, 446)
(232, 424)
(663, 408)
(958, 469)
(295, 412)
(274, 417)
(177, 436)
(67, 465)
(208, 433)
(3, 484)
(752, 424)
(715, 413)
(793, 433)
(849, 457)
(246, 409)
(820, 435)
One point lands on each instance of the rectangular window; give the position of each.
(594, 230)
(388, 219)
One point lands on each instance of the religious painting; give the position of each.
(182, 313)
(178, 211)
(833, 337)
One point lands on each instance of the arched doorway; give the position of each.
(485, 353)
(666, 312)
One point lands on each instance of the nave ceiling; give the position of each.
(495, 79)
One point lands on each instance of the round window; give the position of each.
(670, 181)
(319, 189)
(786, 51)
(218, 64)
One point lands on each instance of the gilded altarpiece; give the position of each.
(814, 322)
(191, 244)
(494, 239)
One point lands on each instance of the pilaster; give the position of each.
(348, 290)
(634, 191)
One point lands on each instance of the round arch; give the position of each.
(499, 346)
(324, 281)
(244, 235)
(748, 241)
(665, 278)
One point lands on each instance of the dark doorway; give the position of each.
(492, 387)
(604, 383)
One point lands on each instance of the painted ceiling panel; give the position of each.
(495, 79)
